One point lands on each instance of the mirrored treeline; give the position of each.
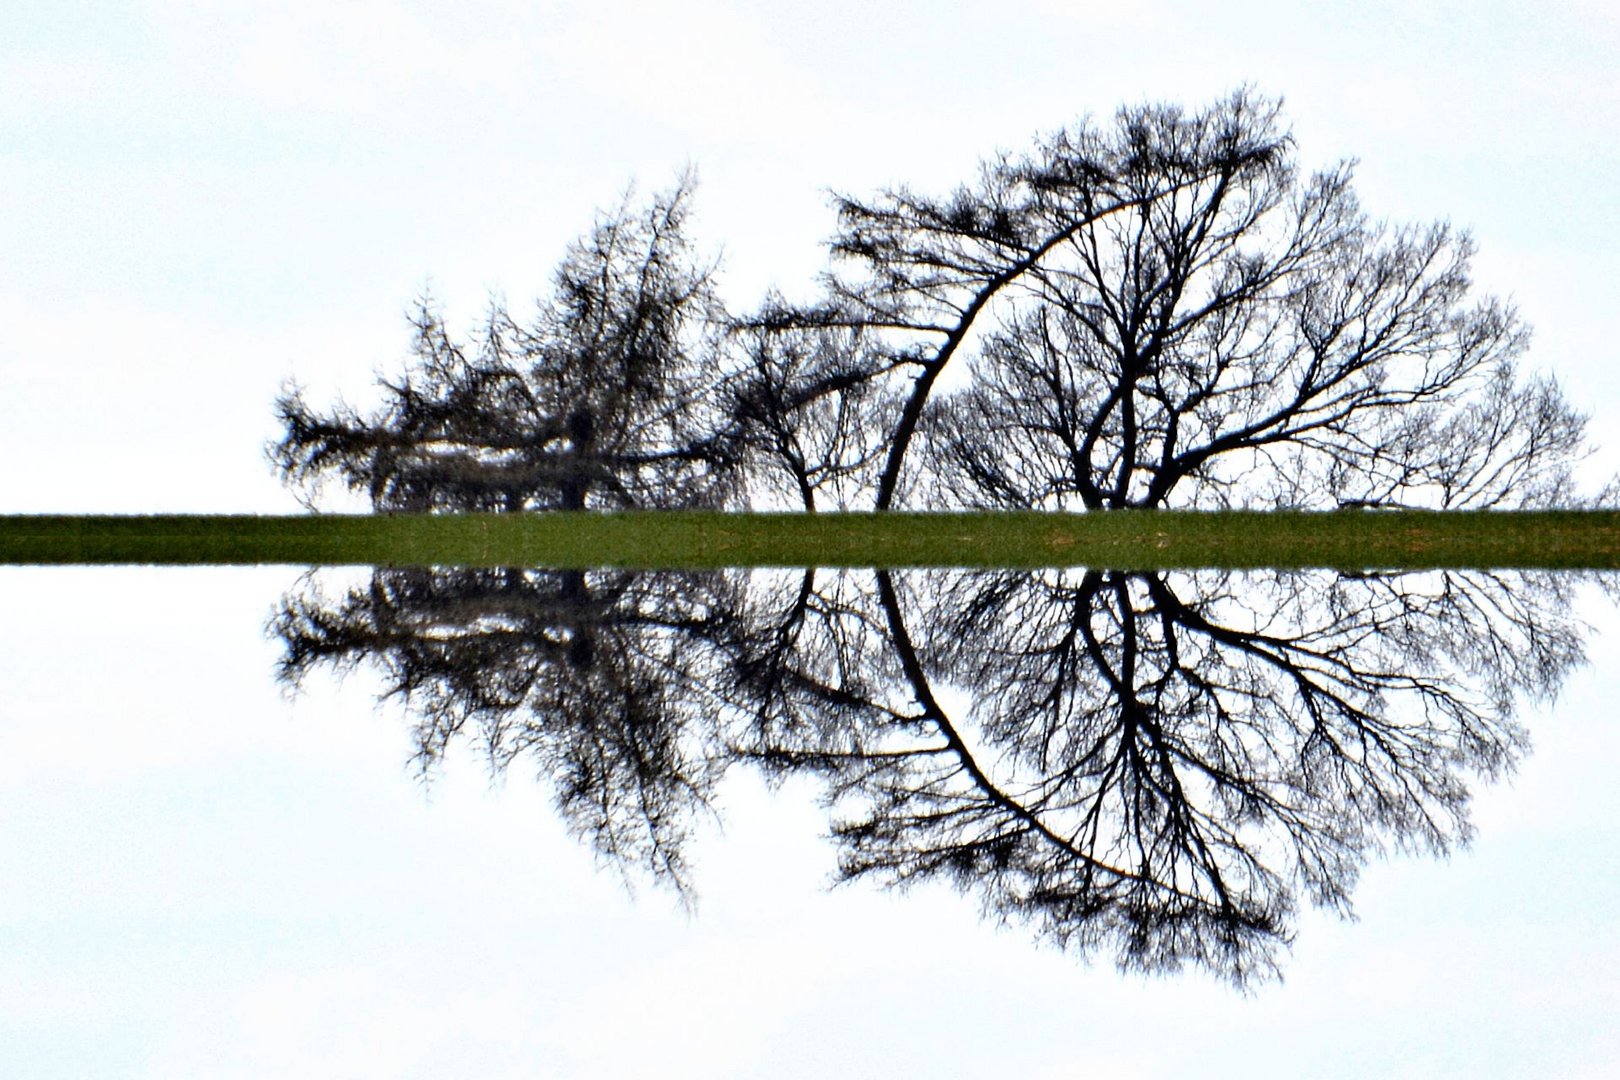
(1155, 768)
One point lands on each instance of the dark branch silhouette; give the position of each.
(1165, 312)
(1158, 768)
(592, 679)
(804, 404)
(609, 400)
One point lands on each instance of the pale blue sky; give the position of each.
(203, 198)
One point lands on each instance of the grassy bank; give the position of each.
(1125, 540)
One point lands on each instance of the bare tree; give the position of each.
(1165, 311)
(593, 679)
(610, 399)
(1162, 311)
(1166, 766)
(1158, 768)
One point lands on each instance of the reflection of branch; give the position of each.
(1158, 918)
(933, 712)
(594, 677)
(1228, 761)
(1153, 766)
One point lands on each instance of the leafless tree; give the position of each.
(593, 679)
(1161, 768)
(1165, 311)
(609, 400)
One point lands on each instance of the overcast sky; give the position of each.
(203, 199)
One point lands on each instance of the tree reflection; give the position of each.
(1162, 765)
(596, 680)
(1157, 767)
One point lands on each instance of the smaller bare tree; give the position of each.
(609, 400)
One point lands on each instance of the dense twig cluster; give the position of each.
(592, 679)
(608, 400)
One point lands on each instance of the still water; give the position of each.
(429, 823)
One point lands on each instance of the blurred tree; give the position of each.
(594, 679)
(609, 400)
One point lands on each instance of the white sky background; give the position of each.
(199, 200)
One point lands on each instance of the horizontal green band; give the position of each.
(1351, 539)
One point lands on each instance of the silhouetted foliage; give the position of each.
(1164, 311)
(1161, 768)
(609, 400)
(1160, 312)
(592, 678)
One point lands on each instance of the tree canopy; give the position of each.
(607, 400)
(1165, 310)
(1158, 768)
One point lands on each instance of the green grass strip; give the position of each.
(1347, 540)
